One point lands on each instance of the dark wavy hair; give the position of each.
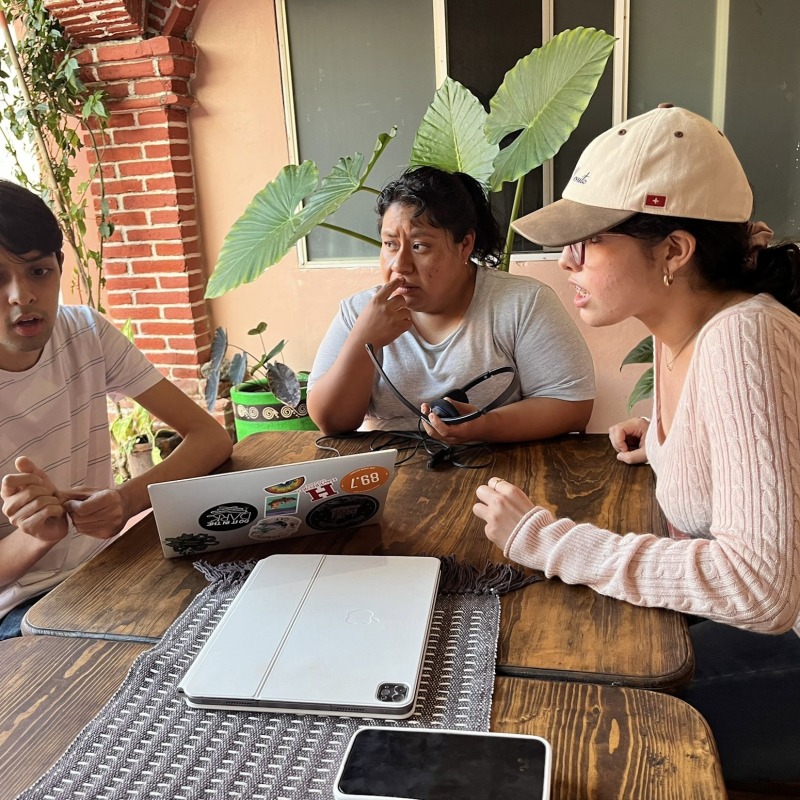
(453, 201)
(26, 222)
(723, 256)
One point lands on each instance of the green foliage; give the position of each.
(133, 424)
(641, 354)
(451, 134)
(539, 103)
(279, 379)
(44, 101)
(542, 99)
(274, 220)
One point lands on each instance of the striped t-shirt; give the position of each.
(55, 413)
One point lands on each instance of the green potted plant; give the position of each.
(266, 396)
(135, 440)
(139, 442)
(533, 113)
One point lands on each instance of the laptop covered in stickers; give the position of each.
(232, 509)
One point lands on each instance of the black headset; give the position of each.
(447, 412)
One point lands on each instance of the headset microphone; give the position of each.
(445, 410)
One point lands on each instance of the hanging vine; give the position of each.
(45, 102)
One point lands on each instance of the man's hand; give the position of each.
(100, 513)
(32, 503)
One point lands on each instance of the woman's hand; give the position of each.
(384, 318)
(501, 506)
(461, 432)
(627, 438)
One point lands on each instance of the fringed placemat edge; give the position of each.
(457, 576)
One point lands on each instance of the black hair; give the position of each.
(453, 201)
(724, 257)
(26, 222)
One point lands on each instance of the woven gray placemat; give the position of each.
(147, 743)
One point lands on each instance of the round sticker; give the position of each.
(365, 479)
(274, 528)
(228, 516)
(342, 512)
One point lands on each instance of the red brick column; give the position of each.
(152, 261)
(96, 20)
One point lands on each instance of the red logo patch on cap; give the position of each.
(656, 200)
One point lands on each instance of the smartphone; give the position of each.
(435, 764)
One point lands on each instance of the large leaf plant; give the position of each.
(537, 107)
(276, 376)
(641, 354)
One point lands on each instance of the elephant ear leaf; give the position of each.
(643, 390)
(345, 179)
(275, 220)
(641, 354)
(266, 230)
(542, 99)
(283, 383)
(451, 135)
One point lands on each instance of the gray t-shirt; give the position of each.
(512, 321)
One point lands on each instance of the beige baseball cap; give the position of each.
(668, 161)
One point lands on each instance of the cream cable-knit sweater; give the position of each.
(728, 475)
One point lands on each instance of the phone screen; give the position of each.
(446, 765)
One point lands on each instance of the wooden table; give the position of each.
(608, 742)
(549, 629)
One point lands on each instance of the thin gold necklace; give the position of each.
(670, 364)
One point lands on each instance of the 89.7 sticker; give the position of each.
(366, 479)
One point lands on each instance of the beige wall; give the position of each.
(239, 144)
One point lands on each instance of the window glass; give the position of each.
(358, 68)
(484, 41)
(370, 65)
(671, 55)
(762, 106)
(739, 65)
(597, 117)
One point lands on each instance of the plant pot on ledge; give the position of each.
(256, 410)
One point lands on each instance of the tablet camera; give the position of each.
(392, 692)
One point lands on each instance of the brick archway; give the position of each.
(137, 51)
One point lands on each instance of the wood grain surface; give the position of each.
(50, 689)
(609, 743)
(548, 629)
(612, 742)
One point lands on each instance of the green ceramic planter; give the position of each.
(255, 410)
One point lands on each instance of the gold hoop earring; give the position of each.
(668, 278)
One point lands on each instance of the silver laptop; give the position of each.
(232, 509)
(321, 634)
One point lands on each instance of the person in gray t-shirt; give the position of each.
(444, 316)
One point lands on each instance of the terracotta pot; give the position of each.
(140, 459)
